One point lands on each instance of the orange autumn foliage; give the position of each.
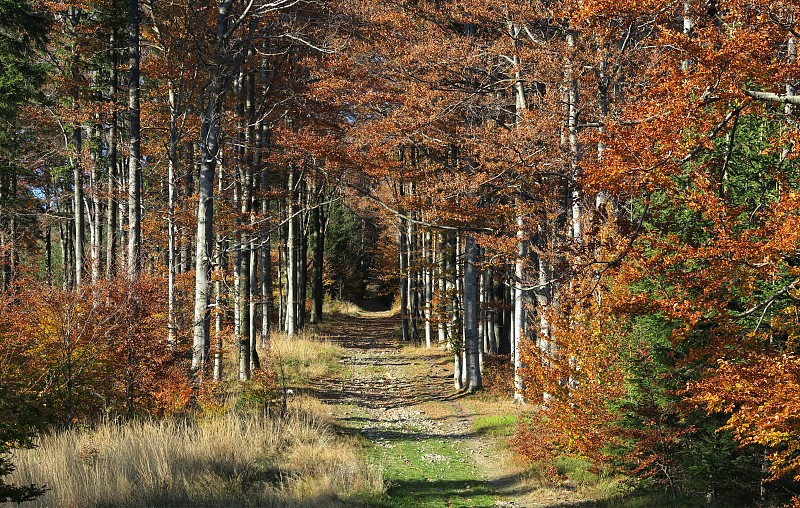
(761, 393)
(102, 351)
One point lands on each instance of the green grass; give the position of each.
(420, 470)
(577, 470)
(430, 472)
(496, 425)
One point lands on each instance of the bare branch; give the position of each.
(773, 97)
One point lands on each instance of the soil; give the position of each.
(394, 391)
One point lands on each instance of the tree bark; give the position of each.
(403, 252)
(519, 310)
(209, 150)
(574, 144)
(302, 255)
(318, 240)
(471, 342)
(111, 167)
(427, 247)
(266, 248)
(95, 207)
(218, 311)
(442, 307)
(134, 141)
(292, 255)
(77, 206)
(210, 127)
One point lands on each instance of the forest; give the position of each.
(589, 209)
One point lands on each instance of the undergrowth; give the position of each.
(246, 444)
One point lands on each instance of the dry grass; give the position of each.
(304, 358)
(229, 460)
(332, 307)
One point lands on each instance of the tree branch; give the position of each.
(768, 301)
(773, 97)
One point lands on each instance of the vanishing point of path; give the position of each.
(401, 400)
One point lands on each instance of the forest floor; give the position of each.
(437, 447)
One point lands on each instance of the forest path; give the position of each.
(400, 399)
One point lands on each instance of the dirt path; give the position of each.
(401, 400)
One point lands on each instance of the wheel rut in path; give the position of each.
(378, 368)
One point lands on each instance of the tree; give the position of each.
(134, 141)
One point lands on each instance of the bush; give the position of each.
(498, 375)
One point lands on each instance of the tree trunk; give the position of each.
(403, 252)
(48, 249)
(266, 250)
(134, 141)
(6, 239)
(209, 149)
(111, 167)
(94, 206)
(544, 297)
(210, 127)
(427, 248)
(576, 229)
(471, 342)
(77, 205)
(187, 189)
(519, 310)
(413, 293)
(483, 334)
(688, 30)
(250, 146)
(456, 331)
(318, 241)
(492, 311)
(292, 255)
(174, 139)
(218, 312)
(442, 307)
(302, 257)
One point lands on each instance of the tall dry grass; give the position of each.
(224, 461)
(304, 358)
(333, 307)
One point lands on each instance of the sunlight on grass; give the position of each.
(304, 358)
(233, 459)
(495, 425)
(331, 307)
(432, 472)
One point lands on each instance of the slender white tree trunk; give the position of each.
(519, 334)
(428, 282)
(292, 258)
(442, 279)
(171, 230)
(111, 167)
